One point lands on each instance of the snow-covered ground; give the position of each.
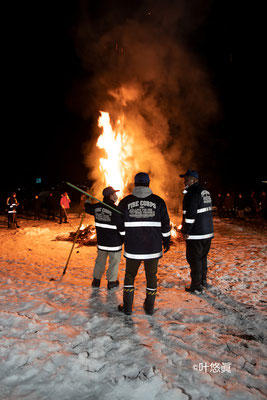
(64, 340)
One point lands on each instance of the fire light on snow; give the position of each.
(117, 146)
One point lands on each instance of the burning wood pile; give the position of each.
(87, 235)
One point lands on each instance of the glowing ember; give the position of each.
(118, 149)
(175, 230)
(173, 233)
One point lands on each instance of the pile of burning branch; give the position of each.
(86, 236)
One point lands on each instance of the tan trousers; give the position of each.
(100, 264)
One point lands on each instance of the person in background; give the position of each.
(51, 206)
(219, 205)
(254, 204)
(197, 229)
(82, 203)
(36, 207)
(229, 205)
(109, 230)
(240, 205)
(263, 204)
(147, 228)
(12, 205)
(64, 206)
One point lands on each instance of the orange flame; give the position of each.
(117, 149)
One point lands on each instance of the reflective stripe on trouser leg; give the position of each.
(128, 296)
(150, 299)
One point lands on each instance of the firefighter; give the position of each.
(147, 227)
(109, 230)
(197, 229)
(12, 205)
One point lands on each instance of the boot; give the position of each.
(96, 282)
(128, 296)
(113, 284)
(150, 301)
(194, 289)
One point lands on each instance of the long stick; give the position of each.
(74, 241)
(89, 195)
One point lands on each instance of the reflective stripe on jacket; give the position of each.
(146, 223)
(109, 225)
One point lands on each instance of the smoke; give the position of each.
(141, 66)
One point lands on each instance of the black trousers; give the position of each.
(12, 220)
(151, 268)
(63, 215)
(196, 255)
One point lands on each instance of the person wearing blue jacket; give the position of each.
(197, 229)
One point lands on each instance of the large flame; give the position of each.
(118, 149)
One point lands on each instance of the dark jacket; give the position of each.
(109, 225)
(197, 213)
(146, 223)
(36, 204)
(12, 204)
(51, 202)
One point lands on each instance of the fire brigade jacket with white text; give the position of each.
(146, 223)
(197, 213)
(108, 224)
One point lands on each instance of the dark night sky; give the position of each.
(43, 135)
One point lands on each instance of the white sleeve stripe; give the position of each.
(105, 226)
(202, 210)
(197, 237)
(189, 221)
(166, 234)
